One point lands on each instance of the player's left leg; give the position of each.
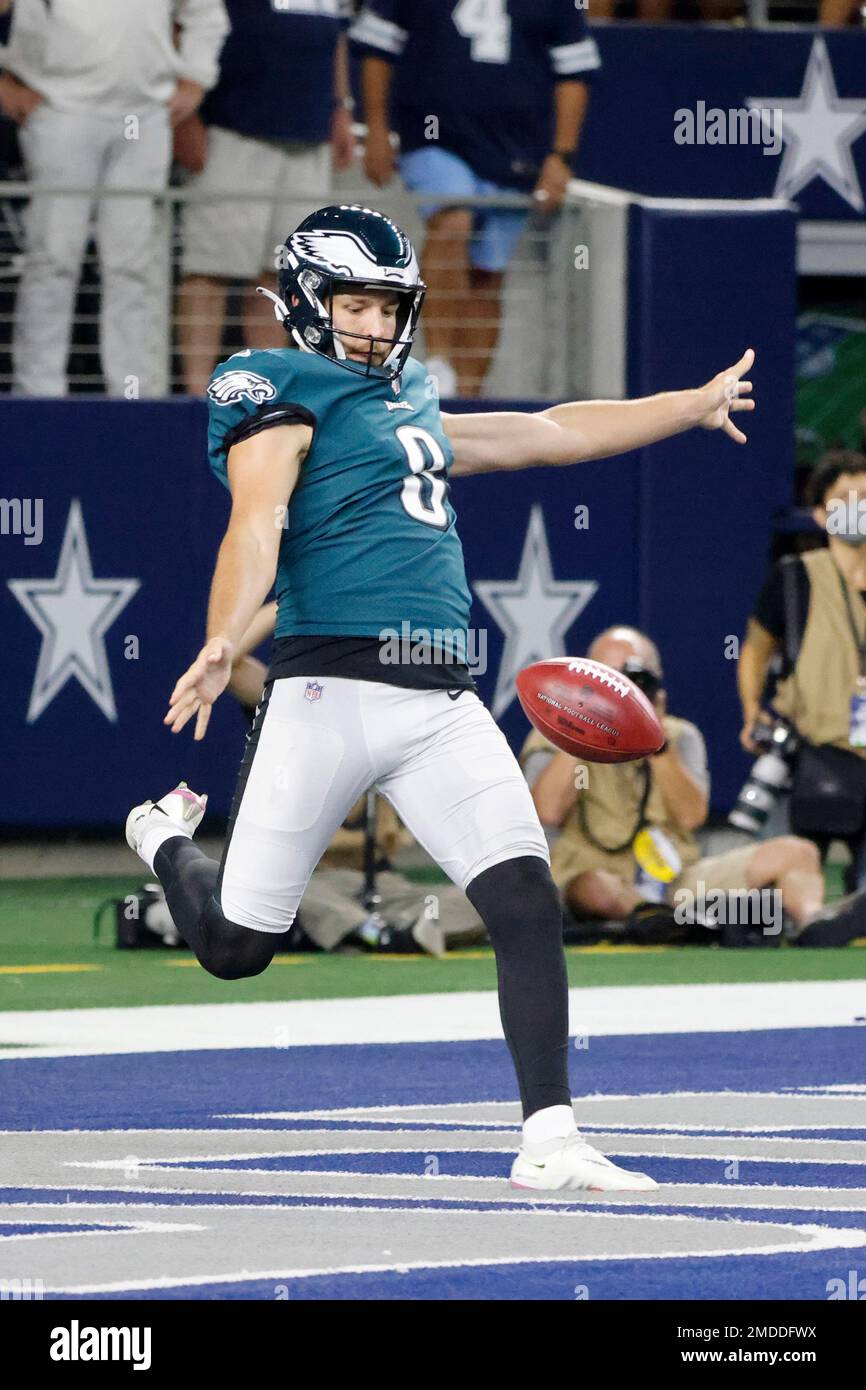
(459, 789)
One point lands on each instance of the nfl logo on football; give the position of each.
(313, 691)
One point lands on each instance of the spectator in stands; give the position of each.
(812, 611)
(279, 117)
(95, 87)
(409, 917)
(600, 808)
(484, 102)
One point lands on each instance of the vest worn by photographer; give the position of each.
(611, 804)
(816, 696)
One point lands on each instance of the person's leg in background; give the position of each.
(792, 866)
(200, 314)
(223, 240)
(445, 263)
(490, 253)
(598, 893)
(134, 313)
(60, 150)
(305, 169)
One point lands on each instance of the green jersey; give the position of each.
(369, 544)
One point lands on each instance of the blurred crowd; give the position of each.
(254, 105)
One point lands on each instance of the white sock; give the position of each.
(154, 838)
(555, 1122)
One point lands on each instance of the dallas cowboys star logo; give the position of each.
(818, 129)
(73, 611)
(534, 610)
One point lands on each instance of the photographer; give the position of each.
(627, 850)
(811, 611)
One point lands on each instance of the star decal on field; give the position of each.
(73, 611)
(535, 611)
(818, 128)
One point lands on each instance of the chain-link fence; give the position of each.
(147, 326)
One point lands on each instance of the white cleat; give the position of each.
(573, 1165)
(181, 808)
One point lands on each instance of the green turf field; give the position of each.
(49, 960)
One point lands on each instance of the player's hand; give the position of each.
(200, 686)
(550, 190)
(722, 396)
(379, 157)
(342, 139)
(186, 98)
(17, 100)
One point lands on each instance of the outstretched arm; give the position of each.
(596, 429)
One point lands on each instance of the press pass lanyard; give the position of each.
(859, 642)
(627, 843)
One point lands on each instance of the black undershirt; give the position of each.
(361, 659)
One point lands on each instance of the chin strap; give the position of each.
(281, 312)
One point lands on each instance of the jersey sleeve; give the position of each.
(381, 29)
(573, 51)
(251, 392)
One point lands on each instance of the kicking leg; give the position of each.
(304, 766)
(161, 834)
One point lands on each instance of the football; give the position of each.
(589, 710)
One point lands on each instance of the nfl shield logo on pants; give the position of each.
(313, 691)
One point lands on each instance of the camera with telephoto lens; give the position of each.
(769, 778)
(645, 679)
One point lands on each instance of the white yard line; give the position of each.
(609, 1011)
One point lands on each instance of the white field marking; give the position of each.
(125, 1228)
(179, 1163)
(854, 1087)
(469, 1016)
(662, 1194)
(432, 1114)
(624, 1130)
(822, 1241)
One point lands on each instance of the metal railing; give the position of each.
(529, 328)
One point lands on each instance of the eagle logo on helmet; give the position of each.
(233, 386)
(345, 256)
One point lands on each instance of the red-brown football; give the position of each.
(589, 710)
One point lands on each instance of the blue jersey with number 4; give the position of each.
(369, 540)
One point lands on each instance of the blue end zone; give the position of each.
(203, 1090)
(189, 1089)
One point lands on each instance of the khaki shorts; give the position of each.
(726, 872)
(718, 871)
(238, 239)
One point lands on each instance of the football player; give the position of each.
(338, 460)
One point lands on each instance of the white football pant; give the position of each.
(443, 764)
